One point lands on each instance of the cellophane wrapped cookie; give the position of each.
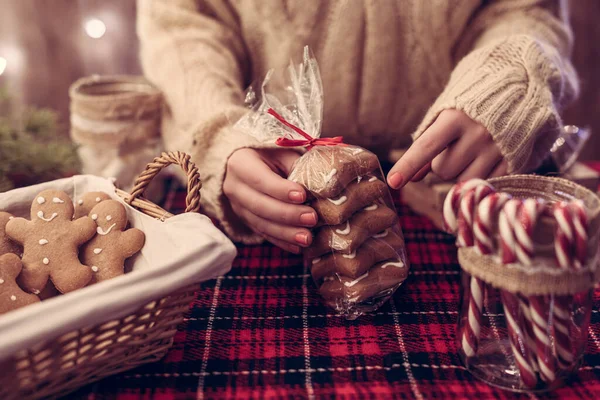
(357, 257)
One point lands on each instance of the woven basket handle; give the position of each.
(192, 199)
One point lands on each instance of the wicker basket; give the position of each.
(65, 363)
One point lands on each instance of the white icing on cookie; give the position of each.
(351, 255)
(330, 175)
(13, 297)
(316, 260)
(372, 179)
(354, 282)
(97, 251)
(338, 201)
(94, 268)
(56, 200)
(344, 231)
(41, 200)
(94, 216)
(46, 261)
(80, 201)
(43, 242)
(371, 207)
(398, 264)
(35, 291)
(102, 232)
(98, 199)
(382, 234)
(108, 217)
(40, 215)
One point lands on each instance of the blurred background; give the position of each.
(46, 45)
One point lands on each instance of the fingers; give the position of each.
(272, 209)
(422, 173)
(283, 245)
(483, 165)
(500, 170)
(292, 235)
(436, 138)
(248, 167)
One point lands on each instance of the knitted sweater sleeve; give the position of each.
(193, 52)
(515, 77)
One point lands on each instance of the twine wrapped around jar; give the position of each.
(109, 111)
(115, 120)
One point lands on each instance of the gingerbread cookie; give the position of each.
(107, 251)
(380, 247)
(50, 243)
(347, 237)
(6, 244)
(326, 170)
(11, 295)
(85, 203)
(358, 194)
(382, 277)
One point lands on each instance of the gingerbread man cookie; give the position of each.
(358, 194)
(348, 236)
(382, 246)
(85, 203)
(385, 276)
(107, 251)
(326, 170)
(11, 295)
(6, 244)
(51, 241)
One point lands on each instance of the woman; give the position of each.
(478, 83)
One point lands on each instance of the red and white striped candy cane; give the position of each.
(485, 218)
(452, 202)
(518, 339)
(580, 225)
(525, 350)
(564, 240)
(456, 215)
(561, 321)
(540, 316)
(528, 215)
(506, 222)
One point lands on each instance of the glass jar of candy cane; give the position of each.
(528, 250)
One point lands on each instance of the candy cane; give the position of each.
(528, 215)
(510, 303)
(538, 305)
(580, 225)
(485, 217)
(506, 223)
(563, 236)
(459, 207)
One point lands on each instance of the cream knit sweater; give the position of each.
(384, 64)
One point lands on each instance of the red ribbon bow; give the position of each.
(309, 142)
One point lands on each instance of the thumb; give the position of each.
(284, 159)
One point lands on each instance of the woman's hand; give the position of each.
(453, 147)
(268, 203)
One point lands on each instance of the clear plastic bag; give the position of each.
(357, 258)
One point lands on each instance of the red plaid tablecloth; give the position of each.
(262, 332)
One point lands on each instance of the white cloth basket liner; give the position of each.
(179, 251)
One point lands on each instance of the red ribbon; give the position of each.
(309, 142)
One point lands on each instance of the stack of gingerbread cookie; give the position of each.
(357, 254)
(64, 247)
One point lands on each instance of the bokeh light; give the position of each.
(95, 28)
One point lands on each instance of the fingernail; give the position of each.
(308, 219)
(302, 238)
(395, 180)
(296, 196)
